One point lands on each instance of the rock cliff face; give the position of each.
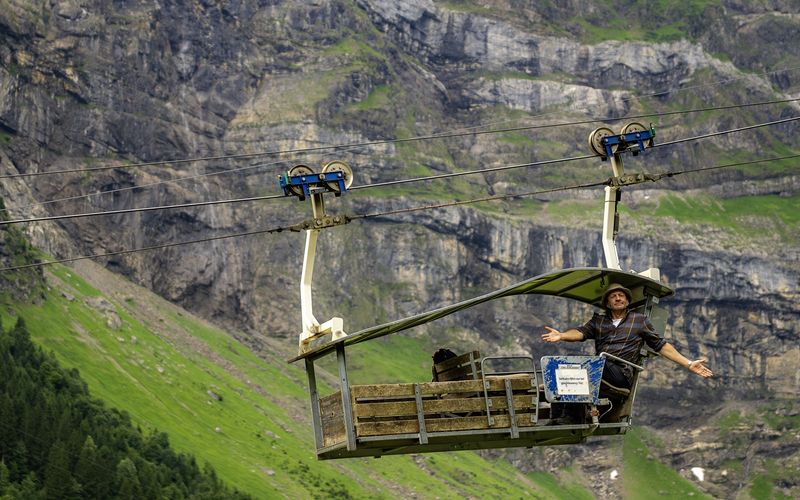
(720, 310)
(84, 82)
(96, 84)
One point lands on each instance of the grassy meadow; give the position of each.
(245, 415)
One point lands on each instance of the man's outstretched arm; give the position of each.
(553, 335)
(697, 366)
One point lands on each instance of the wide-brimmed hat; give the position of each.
(613, 287)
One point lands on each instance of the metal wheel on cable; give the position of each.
(596, 140)
(338, 166)
(633, 127)
(299, 170)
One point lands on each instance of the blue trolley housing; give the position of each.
(304, 185)
(626, 141)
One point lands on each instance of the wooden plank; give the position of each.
(524, 382)
(511, 375)
(332, 418)
(499, 403)
(465, 423)
(391, 427)
(458, 373)
(464, 367)
(466, 358)
(331, 405)
(334, 436)
(456, 405)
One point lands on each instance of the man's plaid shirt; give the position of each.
(625, 340)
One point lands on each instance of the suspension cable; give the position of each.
(149, 248)
(260, 165)
(443, 135)
(142, 209)
(298, 226)
(380, 184)
(148, 185)
(714, 134)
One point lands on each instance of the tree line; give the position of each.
(57, 442)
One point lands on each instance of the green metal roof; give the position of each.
(584, 284)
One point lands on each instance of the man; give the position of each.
(622, 333)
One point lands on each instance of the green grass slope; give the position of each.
(644, 477)
(246, 416)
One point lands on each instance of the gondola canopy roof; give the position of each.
(585, 285)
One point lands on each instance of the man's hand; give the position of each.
(697, 366)
(552, 335)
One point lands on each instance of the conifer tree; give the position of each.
(29, 487)
(58, 481)
(148, 478)
(49, 422)
(7, 420)
(5, 480)
(128, 486)
(89, 471)
(17, 460)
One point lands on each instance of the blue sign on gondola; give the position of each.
(572, 379)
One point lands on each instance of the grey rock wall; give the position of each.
(98, 84)
(738, 310)
(102, 84)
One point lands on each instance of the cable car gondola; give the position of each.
(473, 404)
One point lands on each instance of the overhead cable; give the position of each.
(650, 177)
(717, 167)
(443, 135)
(149, 248)
(142, 209)
(278, 196)
(260, 165)
(472, 172)
(714, 134)
(478, 200)
(378, 184)
(719, 82)
(150, 184)
(295, 227)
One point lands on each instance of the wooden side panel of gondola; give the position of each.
(442, 423)
(332, 416)
(392, 409)
(367, 392)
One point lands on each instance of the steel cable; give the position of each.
(295, 227)
(380, 184)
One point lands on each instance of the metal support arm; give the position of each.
(311, 328)
(610, 217)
